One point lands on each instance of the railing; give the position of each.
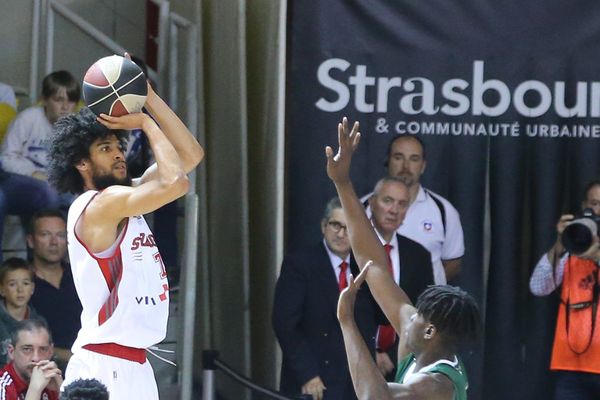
(212, 363)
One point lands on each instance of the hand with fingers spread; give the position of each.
(338, 165)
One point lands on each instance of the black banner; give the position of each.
(506, 90)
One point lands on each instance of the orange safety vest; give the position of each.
(577, 337)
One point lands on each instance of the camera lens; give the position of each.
(578, 236)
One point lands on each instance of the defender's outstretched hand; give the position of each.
(345, 310)
(338, 166)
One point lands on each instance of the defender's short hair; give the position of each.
(453, 311)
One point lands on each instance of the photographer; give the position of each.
(572, 265)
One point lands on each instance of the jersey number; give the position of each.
(163, 270)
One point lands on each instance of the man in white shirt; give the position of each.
(430, 220)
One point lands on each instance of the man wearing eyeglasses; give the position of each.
(304, 313)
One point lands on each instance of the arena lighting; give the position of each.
(417, 95)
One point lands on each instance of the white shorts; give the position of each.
(125, 380)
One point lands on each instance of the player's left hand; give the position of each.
(338, 165)
(126, 122)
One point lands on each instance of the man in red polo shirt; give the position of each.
(30, 375)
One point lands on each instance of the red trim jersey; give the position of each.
(123, 290)
(12, 387)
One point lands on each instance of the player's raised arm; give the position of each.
(185, 144)
(187, 147)
(365, 244)
(366, 378)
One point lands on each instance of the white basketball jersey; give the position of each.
(125, 294)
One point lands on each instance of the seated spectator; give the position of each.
(30, 374)
(16, 288)
(7, 95)
(8, 107)
(24, 153)
(84, 389)
(55, 297)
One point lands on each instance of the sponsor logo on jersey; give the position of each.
(153, 300)
(143, 240)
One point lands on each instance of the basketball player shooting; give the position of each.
(117, 268)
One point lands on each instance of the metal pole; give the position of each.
(49, 39)
(208, 385)
(35, 49)
(163, 40)
(173, 65)
(208, 374)
(190, 274)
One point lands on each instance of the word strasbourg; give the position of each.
(418, 96)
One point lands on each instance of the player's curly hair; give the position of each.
(71, 140)
(85, 389)
(453, 312)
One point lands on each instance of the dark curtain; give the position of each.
(533, 173)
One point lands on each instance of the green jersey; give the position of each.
(454, 370)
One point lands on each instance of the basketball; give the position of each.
(114, 85)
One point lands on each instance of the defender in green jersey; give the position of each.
(430, 333)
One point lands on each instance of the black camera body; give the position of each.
(579, 234)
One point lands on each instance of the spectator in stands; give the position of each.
(16, 288)
(7, 95)
(24, 153)
(84, 389)
(430, 219)
(55, 297)
(8, 107)
(314, 359)
(30, 373)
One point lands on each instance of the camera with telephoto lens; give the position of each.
(579, 234)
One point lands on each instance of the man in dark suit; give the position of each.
(304, 314)
(408, 261)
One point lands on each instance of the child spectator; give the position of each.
(16, 288)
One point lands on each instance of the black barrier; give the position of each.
(211, 362)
